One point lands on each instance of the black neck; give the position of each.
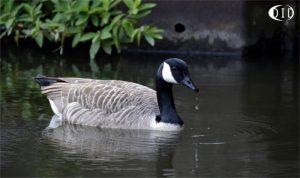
(165, 100)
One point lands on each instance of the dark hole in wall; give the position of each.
(179, 27)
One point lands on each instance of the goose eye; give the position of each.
(174, 68)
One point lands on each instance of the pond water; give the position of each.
(244, 122)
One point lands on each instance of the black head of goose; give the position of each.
(119, 104)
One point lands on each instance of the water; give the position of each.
(242, 123)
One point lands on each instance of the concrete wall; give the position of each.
(221, 26)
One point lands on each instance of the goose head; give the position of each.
(175, 71)
(171, 71)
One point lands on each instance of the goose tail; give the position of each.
(46, 81)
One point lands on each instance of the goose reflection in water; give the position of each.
(113, 149)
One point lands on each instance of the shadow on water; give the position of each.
(243, 122)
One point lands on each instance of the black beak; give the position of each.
(189, 83)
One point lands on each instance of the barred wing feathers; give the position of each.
(103, 103)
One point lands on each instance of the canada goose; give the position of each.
(116, 103)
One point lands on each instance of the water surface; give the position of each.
(243, 122)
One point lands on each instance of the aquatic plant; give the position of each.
(106, 24)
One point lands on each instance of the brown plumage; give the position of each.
(103, 103)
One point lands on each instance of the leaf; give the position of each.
(155, 30)
(133, 11)
(94, 49)
(116, 39)
(95, 20)
(116, 19)
(76, 39)
(39, 39)
(106, 4)
(137, 3)
(105, 19)
(96, 37)
(28, 8)
(73, 30)
(4, 16)
(37, 10)
(132, 36)
(157, 36)
(17, 36)
(25, 18)
(56, 36)
(87, 36)
(128, 27)
(16, 10)
(94, 67)
(128, 3)
(142, 14)
(105, 33)
(61, 28)
(9, 31)
(138, 38)
(150, 40)
(9, 23)
(8, 5)
(81, 20)
(59, 18)
(115, 3)
(96, 4)
(107, 48)
(3, 33)
(37, 25)
(83, 6)
(27, 32)
(50, 24)
(147, 6)
(96, 10)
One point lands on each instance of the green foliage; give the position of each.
(102, 23)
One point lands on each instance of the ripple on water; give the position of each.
(255, 130)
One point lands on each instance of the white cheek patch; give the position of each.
(167, 74)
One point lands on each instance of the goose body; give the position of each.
(115, 103)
